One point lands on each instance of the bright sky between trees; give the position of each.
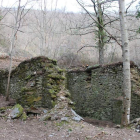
(68, 5)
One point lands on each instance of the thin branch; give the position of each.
(86, 47)
(12, 27)
(98, 23)
(111, 21)
(94, 6)
(7, 12)
(130, 5)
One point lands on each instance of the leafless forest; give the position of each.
(68, 37)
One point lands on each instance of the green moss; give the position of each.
(53, 103)
(54, 61)
(30, 100)
(23, 116)
(3, 108)
(56, 88)
(60, 70)
(50, 65)
(47, 118)
(28, 77)
(25, 89)
(49, 85)
(37, 99)
(56, 76)
(51, 91)
(53, 96)
(61, 123)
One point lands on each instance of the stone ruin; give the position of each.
(35, 82)
(97, 91)
(38, 87)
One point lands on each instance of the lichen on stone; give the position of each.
(23, 116)
(16, 111)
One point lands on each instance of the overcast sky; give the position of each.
(69, 5)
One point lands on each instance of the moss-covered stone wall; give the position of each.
(3, 80)
(35, 82)
(98, 93)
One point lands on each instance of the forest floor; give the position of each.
(33, 129)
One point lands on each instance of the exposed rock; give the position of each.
(45, 117)
(16, 111)
(62, 98)
(62, 111)
(33, 110)
(76, 119)
(76, 116)
(117, 126)
(135, 124)
(65, 119)
(45, 111)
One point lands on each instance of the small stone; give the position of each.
(54, 117)
(45, 118)
(137, 128)
(62, 98)
(45, 111)
(65, 119)
(51, 135)
(88, 137)
(118, 126)
(76, 119)
(35, 73)
(71, 102)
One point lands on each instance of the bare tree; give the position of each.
(103, 23)
(15, 29)
(43, 25)
(19, 15)
(99, 21)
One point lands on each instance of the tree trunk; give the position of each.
(126, 65)
(9, 75)
(101, 53)
(101, 33)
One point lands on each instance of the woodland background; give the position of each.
(67, 37)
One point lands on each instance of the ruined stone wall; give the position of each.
(98, 92)
(35, 82)
(3, 81)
